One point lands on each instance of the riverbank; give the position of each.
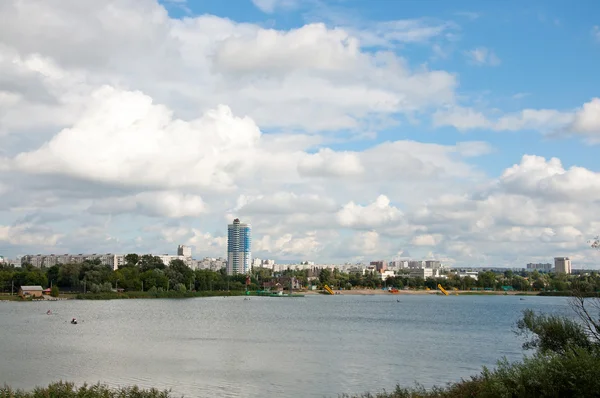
(371, 292)
(353, 292)
(153, 295)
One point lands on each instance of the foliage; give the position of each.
(54, 292)
(147, 272)
(551, 333)
(70, 390)
(158, 293)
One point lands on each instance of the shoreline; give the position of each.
(353, 292)
(373, 292)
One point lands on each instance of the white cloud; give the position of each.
(189, 66)
(327, 163)
(482, 56)
(425, 240)
(156, 204)
(374, 215)
(547, 178)
(29, 235)
(391, 33)
(289, 245)
(284, 203)
(584, 121)
(596, 33)
(229, 119)
(122, 137)
(269, 6)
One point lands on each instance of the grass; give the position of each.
(573, 374)
(70, 390)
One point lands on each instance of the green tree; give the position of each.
(132, 259)
(54, 292)
(325, 276)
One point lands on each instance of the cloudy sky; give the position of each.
(343, 130)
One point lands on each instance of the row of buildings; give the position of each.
(239, 260)
(562, 265)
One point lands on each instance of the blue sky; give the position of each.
(549, 59)
(342, 130)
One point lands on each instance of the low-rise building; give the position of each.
(31, 291)
(424, 273)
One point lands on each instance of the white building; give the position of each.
(50, 260)
(424, 273)
(470, 274)
(539, 266)
(384, 275)
(184, 251)
(562, 265)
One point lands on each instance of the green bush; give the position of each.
(54, 292)
(69, 390)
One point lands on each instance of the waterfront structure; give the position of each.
(562, 265)
(31, 291)
(239, 240)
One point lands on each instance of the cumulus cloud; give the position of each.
(373, 215)
(156, 204)
(584, 121)
(232, 119)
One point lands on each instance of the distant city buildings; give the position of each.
(184, 251)
(433, 264)
(562, 265)
(115, 261)
(239, 241)
(546, 267)
(380, 266)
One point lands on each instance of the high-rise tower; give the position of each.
(239, 240)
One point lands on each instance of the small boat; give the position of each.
(74, 321)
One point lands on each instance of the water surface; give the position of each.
(264, 347)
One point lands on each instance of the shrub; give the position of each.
(54, 292)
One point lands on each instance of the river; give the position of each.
(264, 347)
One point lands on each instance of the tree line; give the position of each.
(147, 272)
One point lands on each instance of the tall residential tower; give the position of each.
(239, 240)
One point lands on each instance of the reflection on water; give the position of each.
(265, 347)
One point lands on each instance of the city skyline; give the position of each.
(465, 132)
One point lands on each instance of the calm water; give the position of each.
(265, 347)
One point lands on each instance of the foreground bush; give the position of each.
(69, 390)
(574, 374)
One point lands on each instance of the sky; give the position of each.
(342, 130)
